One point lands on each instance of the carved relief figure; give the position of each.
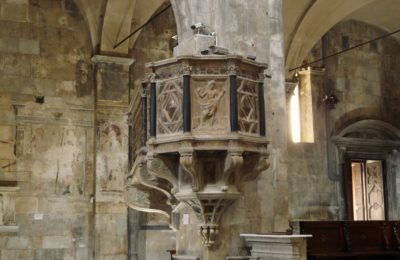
(209, 99)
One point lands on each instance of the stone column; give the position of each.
(273, 186)
(112, 100)
(248, 29)
(239, 26)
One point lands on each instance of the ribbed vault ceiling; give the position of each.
(110, 21)
(306, 21)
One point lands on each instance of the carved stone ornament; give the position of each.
(144, 90)
(208, 232)
(248, 107)
(262, 75)
(151, 77)
(186, 68)
(231, 68)
(170, 107)
(195, 158)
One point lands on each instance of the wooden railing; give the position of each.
(352, 238)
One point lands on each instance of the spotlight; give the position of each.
(197, 26)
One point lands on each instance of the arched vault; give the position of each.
(306, 21)
(111, 21)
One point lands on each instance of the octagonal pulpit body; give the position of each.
(207, 96)
(207, 131)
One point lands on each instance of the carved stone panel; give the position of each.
(169, 108)
(209, 100)
(248, 108)
(374, 188)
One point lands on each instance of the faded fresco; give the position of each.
(60, 155)
(111, 157)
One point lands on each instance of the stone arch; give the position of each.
(372, 137)
(354, 116)
(120, 19)
(371, 129)
(308, 31)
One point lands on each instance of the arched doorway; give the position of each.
(368, 153)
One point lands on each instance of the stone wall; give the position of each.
(45, 70)
(366, 83)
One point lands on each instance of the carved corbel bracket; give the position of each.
(157, 168)
(255, 166)
(209, 210)
(233, 165)
(145, 192)
(188, 162)
(143, 174)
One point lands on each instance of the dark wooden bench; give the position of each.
(352, 239)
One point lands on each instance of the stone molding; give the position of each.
(112, 59)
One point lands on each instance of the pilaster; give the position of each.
(112, 76)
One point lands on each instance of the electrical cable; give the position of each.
(141, 27)
(345, 50)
